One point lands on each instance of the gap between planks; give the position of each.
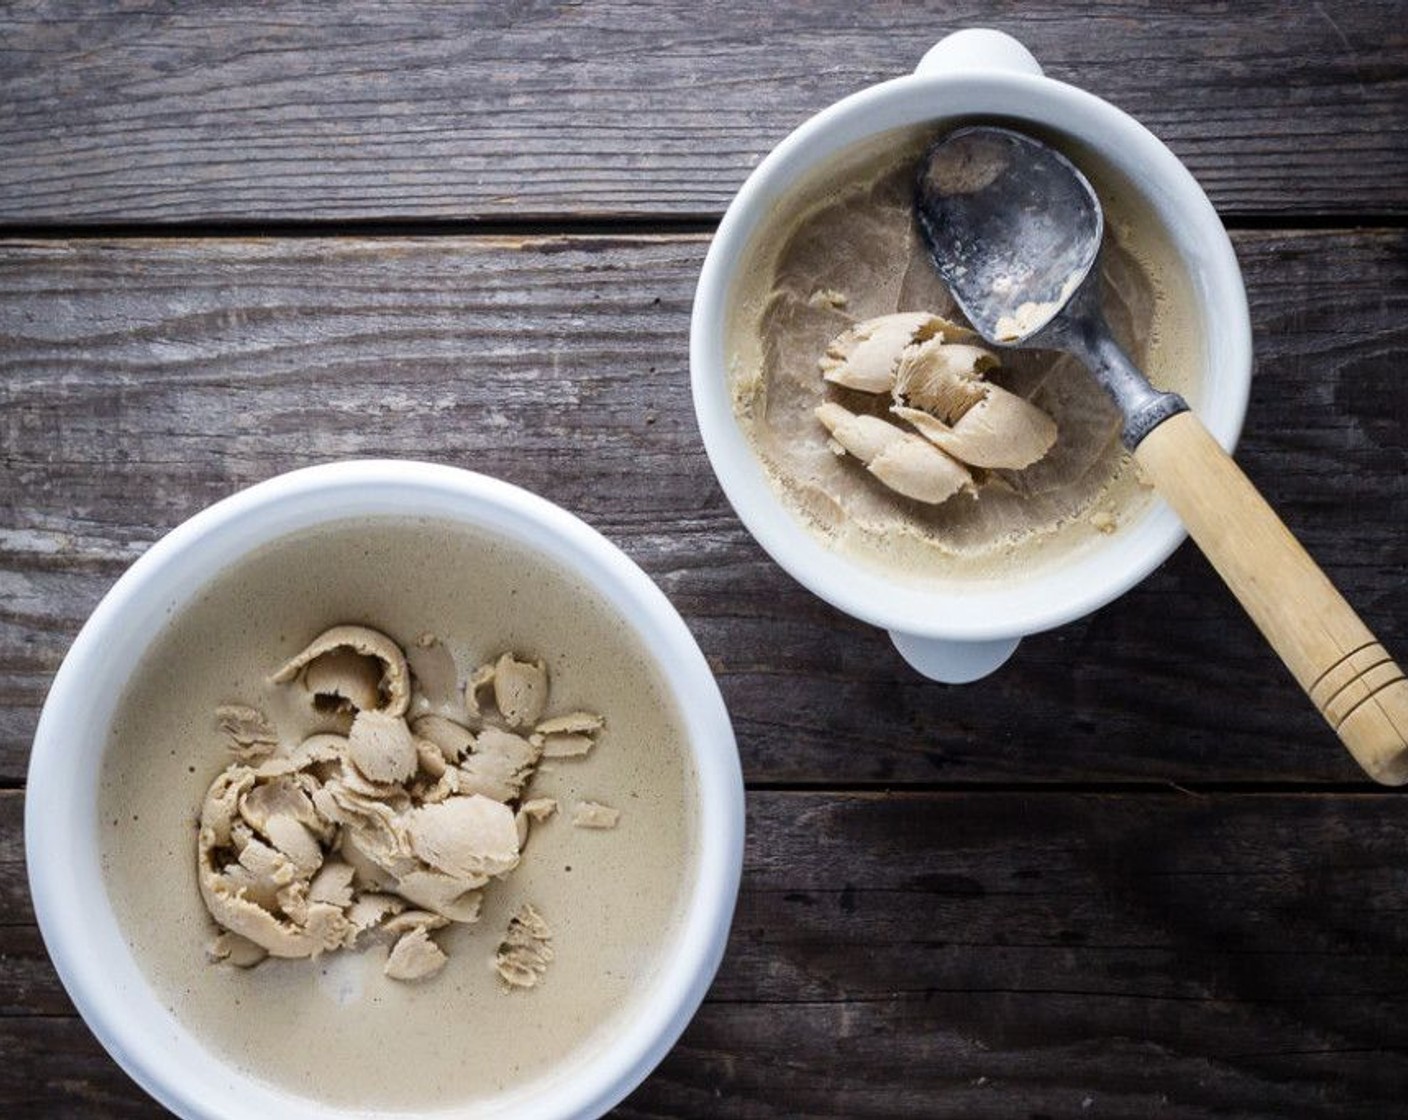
(664, 225)
(978, 788)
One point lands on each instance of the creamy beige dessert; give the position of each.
(313, 842)
(839, 315)
(426, 1009)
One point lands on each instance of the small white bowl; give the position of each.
(948, 636)
(61, 817)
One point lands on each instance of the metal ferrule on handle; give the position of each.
(1143, 407)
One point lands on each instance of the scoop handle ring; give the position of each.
(1351, 679)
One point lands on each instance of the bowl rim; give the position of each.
(173, 570)
(974, 610)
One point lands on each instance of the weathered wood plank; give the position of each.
(1052, 954)
(991, 955)
(15, 908)
(140, 381)
(917, 1059)
(314, 110)
(54, 1069)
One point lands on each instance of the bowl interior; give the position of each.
(1054, 593)
(84, 935)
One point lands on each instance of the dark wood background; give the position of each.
(1129, 875)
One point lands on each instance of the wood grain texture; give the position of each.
(140, 381)
(163, 111)
(987, 955)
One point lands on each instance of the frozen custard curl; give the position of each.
(936, 378)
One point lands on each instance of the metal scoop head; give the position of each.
(1010, 224)
(1014, 229)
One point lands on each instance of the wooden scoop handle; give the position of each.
(1356, 685)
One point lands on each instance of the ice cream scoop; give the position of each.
(1015, 230)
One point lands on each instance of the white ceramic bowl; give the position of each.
(947, 635)
(61, 823)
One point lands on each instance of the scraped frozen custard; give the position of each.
(399, 816)
(314, 841)
(932, 377)
(895, 434)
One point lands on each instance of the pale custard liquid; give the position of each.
(850, 230)
(336, 1029)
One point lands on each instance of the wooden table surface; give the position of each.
(1131, 874)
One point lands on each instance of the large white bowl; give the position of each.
(61, 821)
(960, 635)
